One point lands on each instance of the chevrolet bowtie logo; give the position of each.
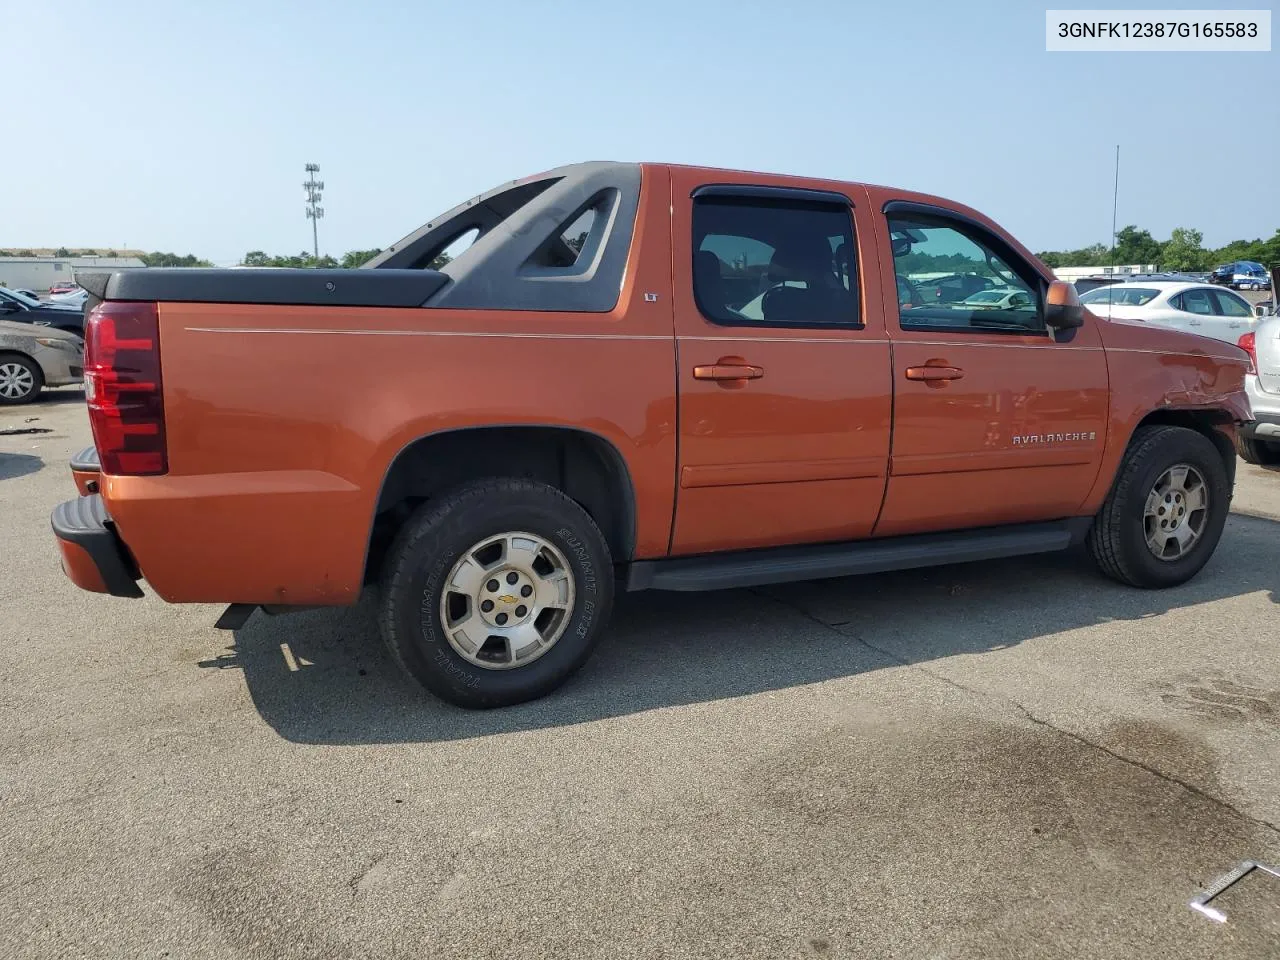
(508, 598)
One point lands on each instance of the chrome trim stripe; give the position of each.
(428, 333)
(1168, 353)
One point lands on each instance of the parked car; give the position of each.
(29, 294)
(33, 357)
(999, 298)
(1194, 307)
(61, 287)
(1242, 275)
(19, 308)
(1167, 275)
(75, 299)
(955, 288)
(682, 446)
(1259, 441)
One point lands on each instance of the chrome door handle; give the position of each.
(728, 368)
(928, 372)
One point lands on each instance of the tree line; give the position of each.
(1184, 250)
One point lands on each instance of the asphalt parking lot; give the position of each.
(1014, 759)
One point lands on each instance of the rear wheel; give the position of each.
(20, 379)
(1165, 513)
(496, 594)
(1258, 452)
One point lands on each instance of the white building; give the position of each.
(40, 273)
(1072, 274)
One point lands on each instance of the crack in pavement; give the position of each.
(355, 881)
(1026, 712)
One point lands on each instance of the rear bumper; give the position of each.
(1266, 412)
(94, 557)
(1265, 426)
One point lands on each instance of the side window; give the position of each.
(1229, 305)
(1197, 301)
(774, 263)
(564, 249)
(949, 279)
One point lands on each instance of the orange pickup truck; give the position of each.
(636, 376)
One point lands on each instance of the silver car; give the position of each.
(1260, 440)
(33, 357)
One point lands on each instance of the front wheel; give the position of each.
(497, 593)
(1165, 513)
(20, 379)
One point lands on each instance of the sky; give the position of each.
(184, 127)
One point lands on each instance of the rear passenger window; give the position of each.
(948, 280)
(1197, 301)
(774, 262)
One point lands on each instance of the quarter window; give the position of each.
(948, 279)
(774, 262)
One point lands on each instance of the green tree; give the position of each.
(1136, 246)
(174, 260)
(26, 253)
(1183, 250)
(356, 258)
(62, 252)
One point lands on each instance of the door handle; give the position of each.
(728, 368)
(932, 372)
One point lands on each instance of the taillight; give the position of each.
(1248, 344)
(122, 387)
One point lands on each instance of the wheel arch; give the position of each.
(1215, 424)
(584, 465)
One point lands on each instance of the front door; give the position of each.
(996, 420)
(783, 365)
(1233, 316)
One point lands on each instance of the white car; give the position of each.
(1194, 307)
(1259, 441)
(74, 299)
(1000, 298)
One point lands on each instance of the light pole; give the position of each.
(314, 212)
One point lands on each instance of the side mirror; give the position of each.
(1062, 309)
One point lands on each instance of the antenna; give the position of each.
(314, 212)
(1115, 206)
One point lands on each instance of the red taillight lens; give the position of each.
(122, 386)
(1249, 346)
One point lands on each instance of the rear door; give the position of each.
(996, 419)
(783, 365)
(1198, 311)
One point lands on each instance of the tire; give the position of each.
(1260, 453)
(21, 379)
(431, 552)
(1118, 538)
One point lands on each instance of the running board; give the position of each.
(752, 568)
